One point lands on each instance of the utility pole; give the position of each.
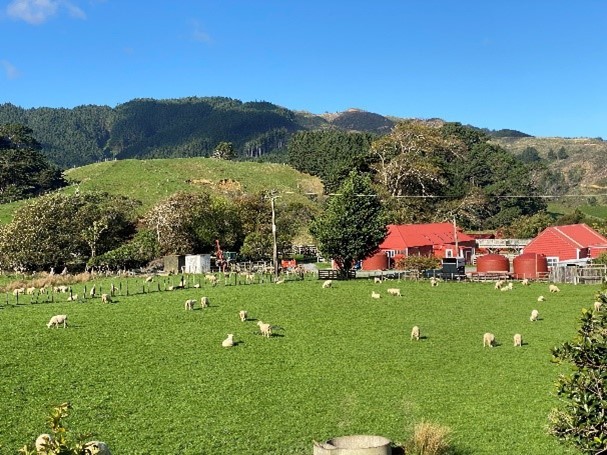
(272, 198)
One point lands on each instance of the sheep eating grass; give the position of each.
(58, 319)
(189, 304)
(204, 302)
(327, 284)
(534, 315)
(518, 339)
(553, 288)
(488, 340)
(243, 315)
(375, 295)
(541, 298)
(394, 291)
(415, 333)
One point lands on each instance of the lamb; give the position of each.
(197, 285)
(149, 279)
(377, 280)
(541, 298)
(72, 298)
(189, 304)
(30, 291)
(433, 281)
(505, 288)
(60, 289)
(553, 288)
(265, 329)
(204, 302)
(229, 341)
(243, 315)
(518, 339)
(43, 443)
(56, 320)
(597, 306)
(488, 340)
(105, 298)
(415, 333)
(96, 448)
(327, 284)
(499, 284)
(525, 282)
(375, 295)
(394, 291)
(534, 315)
(281, 281)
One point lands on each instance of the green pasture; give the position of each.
(148, 377)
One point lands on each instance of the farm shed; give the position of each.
(174, 263)
(441, 240)
(197, 263)
(572, 243)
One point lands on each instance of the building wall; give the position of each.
(552, 245)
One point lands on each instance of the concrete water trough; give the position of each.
(354, 445)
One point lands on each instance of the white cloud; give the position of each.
(36, 12)
(198, 34)
(9, 69)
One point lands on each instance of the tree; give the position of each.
(353, 223)
(224, 151)
(529, 226)
(530, 155)
(24, 171)
(562, 154)
(582, 418)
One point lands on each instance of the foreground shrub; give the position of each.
(429, 439)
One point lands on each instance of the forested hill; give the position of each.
(186, 127)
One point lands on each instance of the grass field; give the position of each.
(148, 377)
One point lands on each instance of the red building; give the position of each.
(436, 239)
(570, 243)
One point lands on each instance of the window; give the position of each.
(448, 253)
(552, 261)
(390, 253)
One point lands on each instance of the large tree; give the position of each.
(353, 223)
(24, 171)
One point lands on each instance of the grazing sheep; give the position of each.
(149, 279)
(280, 281)
(243, 315)
(18, 291)
(518, 339)
(30, 291)
(42, 290)
(488, 340)
(415, 333)
(265, 329)
(327, 284)
(541, 298)
(60, 289)
(43, 443)
(597, 306)
(534, 315)
(204, 302)
(510, 286)
(499, 284)
(375, 295)
(72, 298)
(394, 291)
(58, 319)
(505, 288)
(96, 448)
(525, 282)
(249, 277)
(105, 298)
(553, 288)
(189, 304)
(197, 285)
(433, 281)
(229, 341)
(377, 280)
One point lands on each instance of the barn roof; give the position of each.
(576, 235)
(416, 235)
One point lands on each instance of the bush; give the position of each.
(429, 439)
(418, 263)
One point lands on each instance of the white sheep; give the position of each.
(597, 306)
(525, 282)
(105, 298)
(377, 280)
(61, 288)
(149, 279)
(30, 291)
(327, 284)
(394, 291)
(499, 284)
(281, 281)
(229, 341)
(553, 288)
(18, 291)
(243, 315)
(518, 339)
(433, 281)
(534, 315)
(58, 319)
(265, 329)
(375, 295)
(541, 298)
(43, 443)
(189, 304)
(96, 448)
(204, 302)
(197, 285)
(415, 333)
(505, 288)
(488, 340)
(72, 298)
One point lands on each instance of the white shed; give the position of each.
(197, 263)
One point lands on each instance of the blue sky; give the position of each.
(538, 66)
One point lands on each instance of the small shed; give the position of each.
(198, 263)
(174, 263)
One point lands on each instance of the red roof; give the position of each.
(577, 236)
(416, 235)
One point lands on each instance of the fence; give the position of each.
(594, 274)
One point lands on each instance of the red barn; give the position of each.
(572, 242)
(435, 239)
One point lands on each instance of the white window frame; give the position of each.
(390, 253)
(552, 261)
(449, 253)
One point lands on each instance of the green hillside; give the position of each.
(150, 181)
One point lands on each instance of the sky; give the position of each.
(537, 66)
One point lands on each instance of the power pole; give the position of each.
(274, 241)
